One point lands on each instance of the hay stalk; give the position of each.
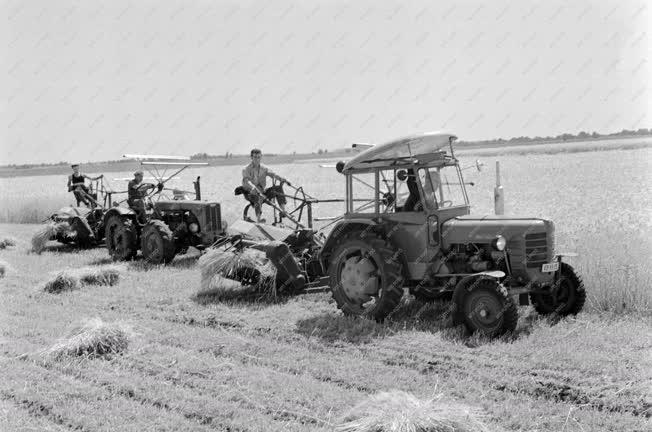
(398, 411)
(93, 339)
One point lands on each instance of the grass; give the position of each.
(298, 364)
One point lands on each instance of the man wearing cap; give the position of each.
(136, 191)
(254, 179)
(77, 185)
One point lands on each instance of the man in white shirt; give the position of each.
(254, 181)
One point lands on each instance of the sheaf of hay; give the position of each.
(94, 338)
(398, 411)
(220, 267)
(72, 279)
(6, 242)
(104, 275)
(46, 233)
(63, 280)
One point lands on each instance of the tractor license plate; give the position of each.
(550, 267)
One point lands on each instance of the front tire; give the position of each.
(566, 297)
(157, 242)
(365, 276)
(484, 306)
(121, 238)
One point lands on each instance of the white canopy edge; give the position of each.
(146, 156)
(174, 163)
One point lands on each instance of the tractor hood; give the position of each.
(483, 229)
(530, 241)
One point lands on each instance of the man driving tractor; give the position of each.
(77, 185)
(136, 192)
(254, 180)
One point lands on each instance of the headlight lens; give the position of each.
(193, 227)
(499, 243)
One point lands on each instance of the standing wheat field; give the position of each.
(177, 358)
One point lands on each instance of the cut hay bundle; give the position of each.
(72, 279)
(104, 275)
(398, 411)
(48, 232)
(93, 339)
(6, 242)
(63, 280)
(219, 267)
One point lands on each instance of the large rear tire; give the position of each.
(567, 295)
(121, 238)
(484, 306)
(157, 242)
(365, 276)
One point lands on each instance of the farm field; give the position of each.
(296, 364)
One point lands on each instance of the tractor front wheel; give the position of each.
(566, 297)
(121, 238)
(157, 242)
(366, 276)
(484, 306)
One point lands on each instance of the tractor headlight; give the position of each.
(499, 243)
(193, 227)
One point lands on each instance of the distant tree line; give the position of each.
(525, 139)
(564, 137)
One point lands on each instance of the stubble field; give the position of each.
(296, 364)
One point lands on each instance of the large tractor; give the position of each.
(171, 225)
(408, 224)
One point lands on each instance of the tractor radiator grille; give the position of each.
(213, 218)
(536, 249)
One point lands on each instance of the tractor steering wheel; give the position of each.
(149, 188)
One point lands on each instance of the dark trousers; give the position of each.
(138, 205)
(272, 193)
(80, 194)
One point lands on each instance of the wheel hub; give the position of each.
(485, 310)
(359, 279)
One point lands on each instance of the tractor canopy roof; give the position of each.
(427, 148)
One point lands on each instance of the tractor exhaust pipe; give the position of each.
(197, 189)
(499, 194)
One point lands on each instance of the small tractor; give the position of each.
(171, 226)
(83, 226)
(407, 225)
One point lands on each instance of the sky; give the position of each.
(90, 80)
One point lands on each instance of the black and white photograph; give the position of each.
(326, 215)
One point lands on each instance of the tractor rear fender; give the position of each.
(347, 226)
(119, 211)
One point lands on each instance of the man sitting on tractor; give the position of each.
(136, 192)
(254, 179)
(77, 185)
